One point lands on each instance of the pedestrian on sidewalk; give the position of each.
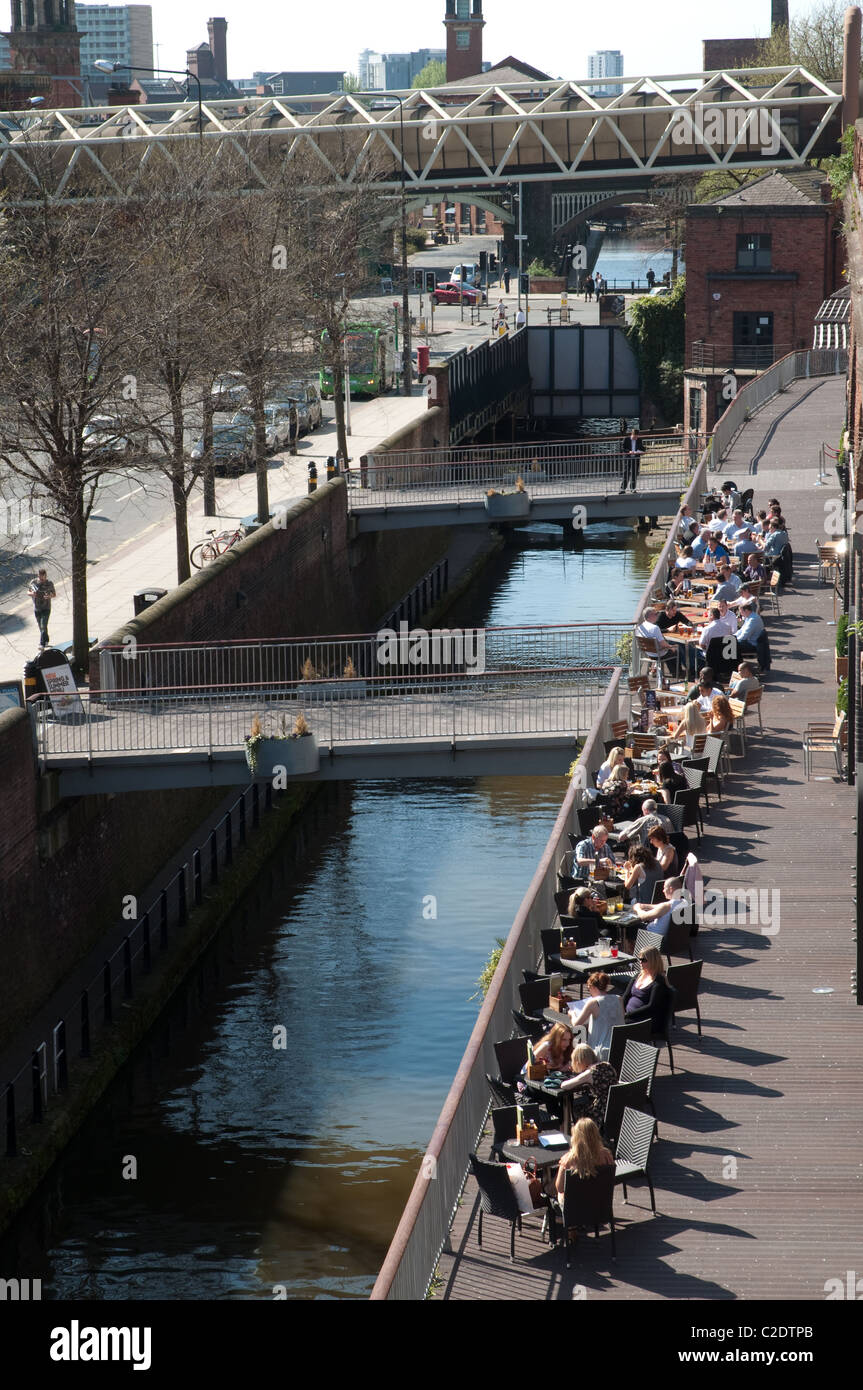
(506, 274)
(520, 319)
(42, 591)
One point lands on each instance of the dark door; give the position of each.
(753, 340)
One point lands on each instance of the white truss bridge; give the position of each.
(474, 137)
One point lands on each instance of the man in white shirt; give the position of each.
(648, 628)
(743, 598)
(726, 617)
(688, 527)
(707, 693)
(715, 628)
(657, 917)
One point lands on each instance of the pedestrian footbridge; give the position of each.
(398, 703)
(575, 482)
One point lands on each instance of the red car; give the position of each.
(452, 293)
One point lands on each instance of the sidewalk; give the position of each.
(150, 558)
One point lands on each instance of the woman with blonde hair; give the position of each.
(592, 1077)
(586, 1154)
(691, 724)
(613, 761)
(721, 716)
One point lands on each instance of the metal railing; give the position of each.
(483, 384)
(704, 356)
(811, 363)
(127, 667)
(424, 1227)
(29, 1094)
(377, 709)
(467, 474)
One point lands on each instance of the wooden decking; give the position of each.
(758, 1167)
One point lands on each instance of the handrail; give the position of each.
(803, 363)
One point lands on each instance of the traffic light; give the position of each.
(430, 281)
(483, 263)
(524, 282)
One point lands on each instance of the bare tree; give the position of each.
(814, 40)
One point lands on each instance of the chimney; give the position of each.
(778, 15)
(217, 30)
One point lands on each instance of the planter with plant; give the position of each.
(484, 982)
(842, 647)
(351, 687)
(507, 505)
(295, 751)
(842, 697)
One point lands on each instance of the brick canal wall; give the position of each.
(65, 866)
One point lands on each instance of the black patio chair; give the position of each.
(685, 981)
(678, 939)
(640, 1060)
(691, 768)
(632, 1154)
(502, 1092)
(529, 975)
(625, 1093)
(587, 1202)
(504, 1119)
(535, 995)
(533, 1028)
(690, 803)
(511, 1056)
(721, 655)
(680, 840)
(623, 1033)
(496, 1197)
(675, 815)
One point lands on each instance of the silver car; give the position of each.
(307, 399)
(282, 423)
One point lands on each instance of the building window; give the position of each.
(753, 251)
(695, 408)
(462, 38)
(462, 11)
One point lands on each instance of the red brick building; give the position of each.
(759, 264)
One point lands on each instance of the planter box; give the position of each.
(841, 668)
(335, 690)
(554, 285)
(508, 506)
(298, 756)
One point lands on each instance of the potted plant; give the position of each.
(295, 751)
(842, 647)
(351, 687)
(507, 506)
(842, 697)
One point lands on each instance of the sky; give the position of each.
(553, 35)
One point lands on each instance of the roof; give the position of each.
(507, 70)
(836, 308)
(794, 188)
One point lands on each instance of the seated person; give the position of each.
(640, 873)
(649, 818)
(686, 560)
(594, 846)
(671, 616)
(648, 995)
(754, 572)
(699, 545)
(555, 1048)
(716, 627)
(730, 495)
(729, 587)
(585, 1156)
(602, 1012)
(733, 527)
(688, 527)
(614, 759)
(716, 551)
(742, 681)
(751, 628)
(759, 526)
(745, 596)
(775, 541)
(657, 916)
(587, 903)
(707, 693)
(745, 545)
(669, 783)
(593, 1078)
(647, 628)
(727, 617)
(691, 724)
(721, 718)
(666, 854)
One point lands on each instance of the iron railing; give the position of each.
(484, 384)
(264, 662)
(704, 356)
(812, 363)
(370, 710)
(29, 1095)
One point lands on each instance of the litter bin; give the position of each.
(145, 597)
(422, 359)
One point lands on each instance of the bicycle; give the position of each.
(205, 552)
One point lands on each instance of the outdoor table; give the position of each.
(552, 1091)
(584, 964)
(533, 1153)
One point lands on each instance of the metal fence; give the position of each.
(424, 1227)
(813, 363)
(29, 1095)
(468, 473)
(386, 708)
(710, 356)
(483, 383)
(127, 667)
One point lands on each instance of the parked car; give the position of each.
(307, 399)
(455, 293)
(104, 436)
(658, 291)
(233, 448)
(229, 390)
(282, 424)
(471, 273)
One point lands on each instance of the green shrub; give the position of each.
(483, 984)
(541, 270)
(842, 635)
(842, 696)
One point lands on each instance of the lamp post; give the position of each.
(406, 312)
(103, 65)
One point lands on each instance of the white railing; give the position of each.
(756, 393)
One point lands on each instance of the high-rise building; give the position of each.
(606, 62)
(117, 33)
(379, 72)
(464, 25)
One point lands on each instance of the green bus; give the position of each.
(371, 357)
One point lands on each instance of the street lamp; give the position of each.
(406, 312)
(104, 65)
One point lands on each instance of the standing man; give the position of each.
(650, 278)
(520, 319)
(631, 461)
(506, 279)
(42, 591)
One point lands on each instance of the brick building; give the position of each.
(759, 264)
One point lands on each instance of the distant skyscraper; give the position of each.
(118, 33)
(607, 62)
(380, 72)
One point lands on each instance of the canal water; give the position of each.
(624, 259)
(220, 1166)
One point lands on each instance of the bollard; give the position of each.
(313, 477)
(331, 468)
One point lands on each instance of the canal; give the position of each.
(220, 1166)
